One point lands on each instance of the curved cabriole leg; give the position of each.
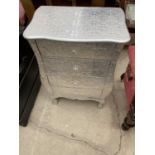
(54, 101)
(101, 104)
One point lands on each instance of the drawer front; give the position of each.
(78, 81)
(75, 93)
(68, 65)
(83, 67)
(50, 49)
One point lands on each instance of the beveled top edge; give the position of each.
(35, 30)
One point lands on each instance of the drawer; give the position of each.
(83, 67)
(51, 49)
(77, 93)
(79, 81)
(66, 65)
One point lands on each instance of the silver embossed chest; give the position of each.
(77, 49)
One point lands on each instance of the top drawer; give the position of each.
(77, 66)
(50, 49)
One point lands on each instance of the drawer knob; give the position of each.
(75, 82)
(74, 51)
(75, 67)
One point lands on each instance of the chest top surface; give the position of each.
(78, 24)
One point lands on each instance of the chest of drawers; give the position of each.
(77, 49)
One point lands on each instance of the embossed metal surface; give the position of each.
(81, 24)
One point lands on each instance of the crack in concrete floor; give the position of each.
(118, 117)
(75, 138)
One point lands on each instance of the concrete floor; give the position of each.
(79, 127)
